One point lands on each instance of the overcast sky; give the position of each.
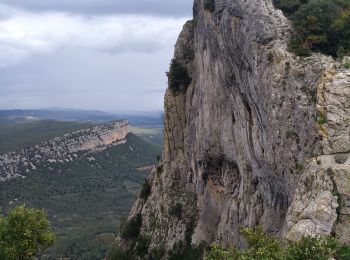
(95, 54)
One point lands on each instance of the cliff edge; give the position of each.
(259, 137)
(62, 149)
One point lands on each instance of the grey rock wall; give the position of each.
(243, 145)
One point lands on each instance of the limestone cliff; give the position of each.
(62, 149)
(259, 137)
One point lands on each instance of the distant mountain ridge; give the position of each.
(55, 114)
(15, 116)
(62, 149)
(17, 136)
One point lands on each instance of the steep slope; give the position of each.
(62, 149)
(15, 137)
(259, 137)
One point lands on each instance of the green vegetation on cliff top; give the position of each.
(319, 26)
(13, 137)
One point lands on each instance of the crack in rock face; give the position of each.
(242, 143)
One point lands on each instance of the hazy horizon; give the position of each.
(91, 54)
(151, 113)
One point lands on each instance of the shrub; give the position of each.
(321, 119)
(188, 53)
(116, 253)
(209, 5)
(190, 226)
(260, 245)
(218, 252)
(263, 246)
(343, 253)
(159, 169)
(182, 250)
(312, 248)
(156, 253)
(146, 190)
(131, 229)
(175, 210)
(299, 167)
(178, 77)
(142, 245)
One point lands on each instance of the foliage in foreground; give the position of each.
(266, 247)
(319, 25)
(24, 233)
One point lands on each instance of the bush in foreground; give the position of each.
(25, 233)
(266, 247)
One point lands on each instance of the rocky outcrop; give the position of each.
(321, 204)
(260, 137)
(62, 149)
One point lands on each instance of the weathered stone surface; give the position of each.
(331, 168)
(62, 149)
(242, 144)
(313, 210)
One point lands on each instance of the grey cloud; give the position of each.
(81, 78)
(109, 34)
(178, 8)
(64, 56)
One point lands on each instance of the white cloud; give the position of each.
(51, 58)
(23, 34)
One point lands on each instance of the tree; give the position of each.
(313, 24)
(319, 26)
(341, 27)
(25, 233)
(288, 6)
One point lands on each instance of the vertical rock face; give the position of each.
(260, 137)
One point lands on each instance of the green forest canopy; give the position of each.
(319, 26)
